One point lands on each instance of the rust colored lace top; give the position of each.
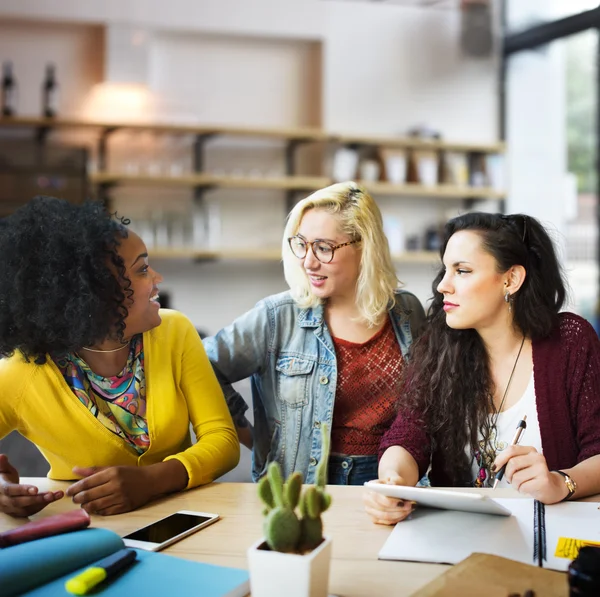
(367, 392)
(567, 392)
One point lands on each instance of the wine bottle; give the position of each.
(50, 93)
(9, 90)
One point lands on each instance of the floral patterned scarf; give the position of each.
(119, 401)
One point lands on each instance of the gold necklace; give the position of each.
(111, 350)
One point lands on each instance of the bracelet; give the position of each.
(570, 483)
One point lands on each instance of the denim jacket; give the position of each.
(289, 355)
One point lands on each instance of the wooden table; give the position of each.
(355, 569)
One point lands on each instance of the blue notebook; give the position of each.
(40, 569)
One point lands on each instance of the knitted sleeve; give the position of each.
(582, 347)
(409, 433)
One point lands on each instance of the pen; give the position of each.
(522, 425)
(100, 571)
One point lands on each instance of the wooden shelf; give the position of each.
(113, 178)
(416, 257)
(283, 133)
(284, 182)
(34, 122)
(441, 191)
(416, 143)
(210, 181)
(242, 254)
(295, 183)
(254, 254)
(288, 133)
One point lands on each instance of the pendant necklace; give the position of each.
(493, 428)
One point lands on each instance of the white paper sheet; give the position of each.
(445, 536)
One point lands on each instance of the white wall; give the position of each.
(536, 134)
(389, 67)
(226, 78)
(539, 183)
(346, 66)
(302, 19)
(536, 121)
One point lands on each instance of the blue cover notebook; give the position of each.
(40, 569)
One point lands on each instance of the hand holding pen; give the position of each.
(522, 425)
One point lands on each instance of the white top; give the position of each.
(506, 427)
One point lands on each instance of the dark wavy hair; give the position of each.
(448, 379)
(62, 282)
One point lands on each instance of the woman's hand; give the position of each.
(527, 471)
(117, 489)
(111, 490)
(387, 510)
(21, 500)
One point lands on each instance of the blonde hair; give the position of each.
(359, 218)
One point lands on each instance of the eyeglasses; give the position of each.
(323, 250)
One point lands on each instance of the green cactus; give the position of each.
(265, 493)
(292, 490)
(284, 530)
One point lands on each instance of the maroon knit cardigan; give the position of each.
(566, 368)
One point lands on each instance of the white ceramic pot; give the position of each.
(273, 574)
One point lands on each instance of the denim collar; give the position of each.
(403, 313)
(311, 317)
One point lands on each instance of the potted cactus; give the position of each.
(293, 557)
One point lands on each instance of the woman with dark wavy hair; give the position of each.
(497, 349)
(104, 383)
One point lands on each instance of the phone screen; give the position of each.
(167, 528)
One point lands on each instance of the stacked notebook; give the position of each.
(40, 568)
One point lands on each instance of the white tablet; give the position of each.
(442, 498)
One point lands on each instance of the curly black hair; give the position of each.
(62, 282)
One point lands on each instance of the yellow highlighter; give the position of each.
(100, 571)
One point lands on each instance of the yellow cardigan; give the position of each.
(180, 388)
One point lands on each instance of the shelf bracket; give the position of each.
(291, 148)
(199, 147)
(200, 217)
(102, 146)
(205, 259)
(41, 134)
(103, 194)
(290, 156)
(290, 200)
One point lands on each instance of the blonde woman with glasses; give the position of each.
(328, 351)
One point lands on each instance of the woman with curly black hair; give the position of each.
(497, 350)
(104, 383)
